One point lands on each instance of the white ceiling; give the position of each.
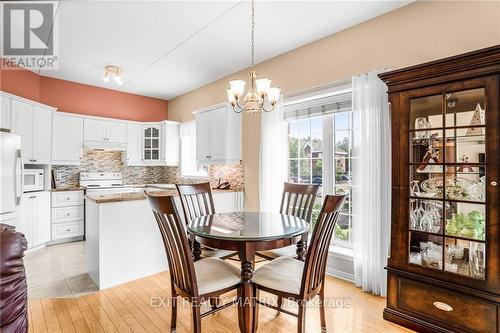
(168, 48)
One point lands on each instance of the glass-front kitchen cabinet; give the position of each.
(444, 266)
(151, 136)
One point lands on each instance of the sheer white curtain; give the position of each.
(371, 174)
(272, 159)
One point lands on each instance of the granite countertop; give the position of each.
(67, 188)
(155, 189)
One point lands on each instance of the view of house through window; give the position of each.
(307, 139)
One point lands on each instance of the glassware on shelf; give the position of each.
(426, 215)
(432, 254)
(466, 220)
(477, 260)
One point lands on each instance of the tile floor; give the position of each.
(58, 271)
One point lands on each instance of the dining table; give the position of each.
(247, 233)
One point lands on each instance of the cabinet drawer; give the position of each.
(66, 230)
(455, 310)
(67, 198)
(67, 214)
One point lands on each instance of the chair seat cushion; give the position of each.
(287, 251)
(283, 274)
(216, 253)
(214, 274)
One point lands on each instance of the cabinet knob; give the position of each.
(493, 183)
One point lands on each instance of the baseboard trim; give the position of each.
(340, 274)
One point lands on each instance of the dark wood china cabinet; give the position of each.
(444, 266)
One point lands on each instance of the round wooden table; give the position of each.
(248, 233)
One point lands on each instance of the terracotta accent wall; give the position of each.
(20, 82)
(95, 101)
(74, 97)
(417, 33)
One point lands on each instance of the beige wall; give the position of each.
(419, 32)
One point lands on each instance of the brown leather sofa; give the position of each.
(13, 287)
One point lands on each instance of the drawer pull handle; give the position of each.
(443, 306)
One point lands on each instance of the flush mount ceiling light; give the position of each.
(113, 71)
(260, 93)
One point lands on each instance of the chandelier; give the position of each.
(261, 96)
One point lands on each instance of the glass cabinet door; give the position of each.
(151, 144)
(447, 182)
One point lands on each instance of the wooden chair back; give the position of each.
(173, 233)
(196, 200)
(317, 254)
(298, 200)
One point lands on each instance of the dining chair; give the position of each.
(297, 200)
(196, 201)
(300, 281)
(197, 281)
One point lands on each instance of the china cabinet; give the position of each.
(444, 265)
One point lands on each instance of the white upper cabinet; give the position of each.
(5, 119)
(116, 132)
(94, 130)
(67, 139)
(42, 129)
(218, 136)
(33, 123)
(133, 155)
(151, 139)
(203, 137)
(22, 124)
(105, 131)
(170, 143)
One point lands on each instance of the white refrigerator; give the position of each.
(11, 178)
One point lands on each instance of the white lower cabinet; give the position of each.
(67, 215)
(35, 218)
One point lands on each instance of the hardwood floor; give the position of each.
(137, 307)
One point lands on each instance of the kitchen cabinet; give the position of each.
(67, 216)
(33, 124)
(151, 138)
(5, 115)
(67, 139)
(170, 143)
(133, 154)
(105, 131)
(218, 135)
(35, 218)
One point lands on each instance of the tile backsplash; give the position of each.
(111, 161)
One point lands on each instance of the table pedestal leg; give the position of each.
(301, 250)
(196, 249)
(245, 292)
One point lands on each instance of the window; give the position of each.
(320, 150)
(189, 166)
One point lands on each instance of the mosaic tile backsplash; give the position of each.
(111, 161)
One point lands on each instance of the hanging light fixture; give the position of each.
(115, 71)
(261, 96)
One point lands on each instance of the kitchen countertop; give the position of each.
(155, 189)
(68, 188)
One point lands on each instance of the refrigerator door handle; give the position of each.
(20, 174)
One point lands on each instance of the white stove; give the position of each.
(104, 183)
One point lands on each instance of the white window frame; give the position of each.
(328, 156)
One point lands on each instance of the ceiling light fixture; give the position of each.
(260, 89)
(115, 71)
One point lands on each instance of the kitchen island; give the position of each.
(123, 239)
